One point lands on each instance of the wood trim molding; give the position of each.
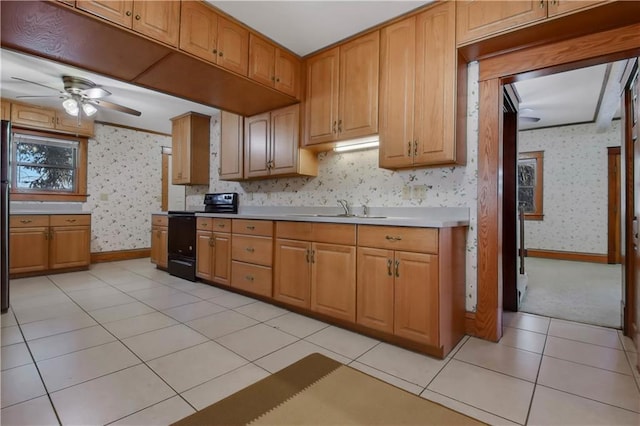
(164, 205)
(112, 256)
(567, 255)
(470, 323)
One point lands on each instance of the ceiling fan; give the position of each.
(81, 96)
(527, 118)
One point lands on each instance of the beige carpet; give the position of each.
(320, 391)
(576, 291)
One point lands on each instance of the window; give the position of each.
(530, 184)
(48, 167)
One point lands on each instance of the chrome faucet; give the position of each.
(365, 210)
(345, 206)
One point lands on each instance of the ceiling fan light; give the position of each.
(70, 106)
(88, 109)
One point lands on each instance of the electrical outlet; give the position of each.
(104, 197)
(419, 192)
(406, 192)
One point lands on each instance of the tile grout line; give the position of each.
(535, 382)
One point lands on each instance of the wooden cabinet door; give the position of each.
(416, 297)
(204, 254)
(257, 144)
(222, 258)
(358, 93)
(321, 113)
(28, 250)
(180, 152)
(285, 124)
(198, 30)
(69, 246)
(155, 244)
(375, 288)
(333, 280)
(233, 46)
(261, 60)
(118, 12)
(163, 252)
(33, 116)
(287, 73)
(5, 112)
(190, 149)
(436, 77)
(159, 20)
(559, 7)
(292, 272)
(69, 123)
(397, 87)
(477, 19)
(231, 146)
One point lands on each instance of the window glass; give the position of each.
(44, 164)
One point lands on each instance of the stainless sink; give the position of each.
(337, 215)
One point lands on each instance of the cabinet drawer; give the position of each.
(252, 249)
(330, 233)
(28, 221)
(253, 227)
(70, 220)
(222, 225)
(253, 278)
(159, 220)
(423, 240)
(204, 223)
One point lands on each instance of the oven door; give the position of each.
(182, 235)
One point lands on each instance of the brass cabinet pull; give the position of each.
(273, 78)
(409, 148)
(313, 256)
(308, 256)
(70, 220)
(212, 242)
(339, 126)
(397, 268)
(251, 227)
(277, 80)
(415, 148)
(220, 53)
(389, 263)
(334, 127)
(221, 225)
(215, 51)
(541, 4)
(205, 224)
(128, 13)
(25, 221)
(250, 249)
(249, 278)
(392, 238)
(137, 17)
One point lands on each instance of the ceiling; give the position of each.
(557, 99)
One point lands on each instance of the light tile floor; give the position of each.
(125, 343)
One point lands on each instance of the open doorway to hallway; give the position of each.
(568, 124)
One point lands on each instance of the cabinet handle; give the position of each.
(409, 148)
(389, 263)
(205, 224)
(273, 78)
(212, 242)
(249, 278)
(50, 234)
(46, 235)
(277, 80)
(334, 127)
(541, 4)
(25, 221)
(215, 51)
(415, 148)
(57, 120)
(250, 249)
(313, 256)
(221, 225)
(128, 13)
(137, 17)
(397, 268)
(339, 126)
(392, 238)
(308, 256)
(220, 54)
(70, 220)
(251, 227)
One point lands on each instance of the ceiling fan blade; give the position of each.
(33, 82)
(95, 93)
(529, 119)
(115, 107)
(52, 96)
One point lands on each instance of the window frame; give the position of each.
(538, 195)
(80, 192)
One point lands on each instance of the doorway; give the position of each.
(568, 124)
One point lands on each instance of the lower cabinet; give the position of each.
(252, 256)
(160, 240)
(315, 268)
(213, 250)
(49, 242)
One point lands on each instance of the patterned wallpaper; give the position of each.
(124, 182)
(575, 187)
(356, 177)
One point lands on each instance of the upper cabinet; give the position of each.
(36, 117)
(214, 38)
(159, 20)
(231, 146)
(273, 66)
(271, 142)
(418, 92)
(5, 113)
(190, 149)
(478, 19)
(342, 91)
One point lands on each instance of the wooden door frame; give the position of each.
(613, 205)
(495, 71)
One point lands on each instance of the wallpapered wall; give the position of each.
(575, 187)
(125, 167)
(357, 178)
